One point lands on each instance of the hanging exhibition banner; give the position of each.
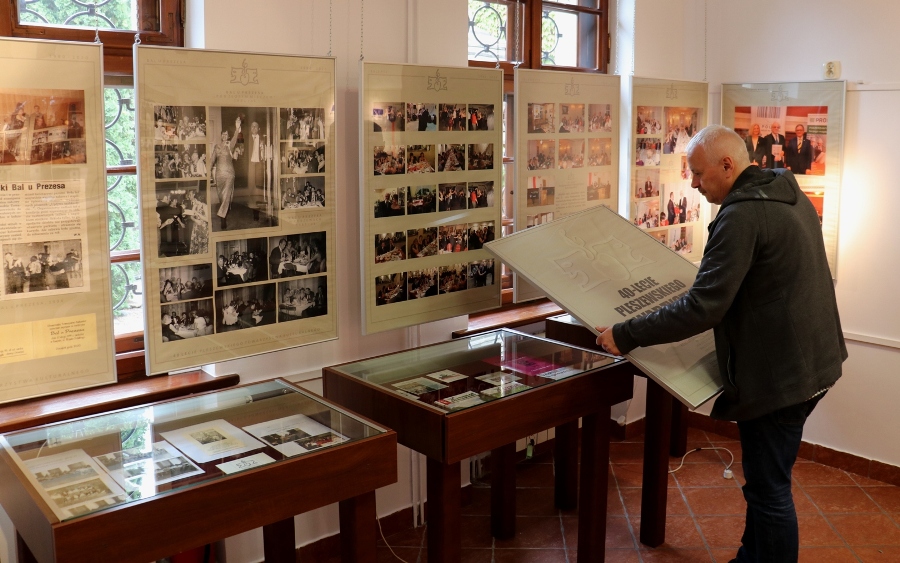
(431, 154)
(567, 155)
(602, 269)
(237, 190)
(665, 115)
(798, 126)
(56, 331)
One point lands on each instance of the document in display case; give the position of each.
(171, 466)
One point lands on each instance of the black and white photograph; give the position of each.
(600, 118)
(452, 278)
(245, 307)
(390, 289)
(452, 238)
(388, 117)
(186, 320)
(303, 193)
(421, 199)
(42, 266)
(421, 117)
(452, 197)
(241, 261)
(599, 186)
(179, 161)
(481, 195)
(389, 202)
(389, 160)
(571, 153)
(649, 120)
(179, 123)
(480, 234)
(481, 274)
(304, 157)
(42, 126)
(182, 218)
(420, 159)
(571, 118)
(453, 117)
(302, 124)
(422, 283)
(79, 493)
(481, 117)
(174, 468)
(541, 118)
(451, 158)
(242, 159)
(390, 247)
(481, 156)
(184, 283)
(422, 242)
(542, 154)
(302, 298)
(599, 151)
(297, 255)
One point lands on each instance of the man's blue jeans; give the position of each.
(769, 446)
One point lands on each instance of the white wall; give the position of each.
(772, 41)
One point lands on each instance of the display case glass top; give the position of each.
(93, 463)
(471, 371)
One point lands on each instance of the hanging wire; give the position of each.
(330, 24)
(705, 33)
(518, 32)
(618, 38)
(97, 35)
(362, 19)
(633, 32)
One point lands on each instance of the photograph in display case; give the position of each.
(212, 440)
(798, 126)
(294, 435)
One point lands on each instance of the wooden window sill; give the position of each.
(510, 316)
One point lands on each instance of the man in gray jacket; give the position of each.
(765, 289)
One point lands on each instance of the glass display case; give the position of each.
(456, 399)
(216, 450)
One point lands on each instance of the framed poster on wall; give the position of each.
(798, 126)
(56, 331)
(567, 149)
(665, 115)
(237, 188)
(431, 154)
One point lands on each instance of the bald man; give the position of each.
(765, 289)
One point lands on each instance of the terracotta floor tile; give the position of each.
(618, 535)
(530, 474)
(697, 435)
(723, 555)
(887, 498)
(534, 532)
(866, 482)
(412, 537)
(675, 555)
(529, 556)
(475, 531)
(467, 556)
(627, 474)
(880, 554)
(802, 504)
(626, 452)
(674, 502)
(701, 475)
(613, 556)
(827, 555)
(481, 503)
(816, 532)
(721, 531)
(716, 500)
(681, 532)
(703, 456)
(810, 474)
(866, 529)
(841, 499)
(384, 555)
(535, 502)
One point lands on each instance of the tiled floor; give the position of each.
(843, 517)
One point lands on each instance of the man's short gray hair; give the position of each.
(717, 143)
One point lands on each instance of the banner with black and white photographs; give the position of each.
(237, 186)
(798, 126)
(56, 331)
(665, 115)
(567, 149)
(430, 167)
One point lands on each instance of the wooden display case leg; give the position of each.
(593, 493)
(358, 534)
(443, 512)
(656, 465)
(678, 446)
(23, 553)
(503, 491)
(565, 460)
(278, 542)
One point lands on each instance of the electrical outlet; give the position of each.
(831, 70)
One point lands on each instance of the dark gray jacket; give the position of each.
(765, 289)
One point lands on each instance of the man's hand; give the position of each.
(606, 341)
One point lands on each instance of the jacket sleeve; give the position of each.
(731, 250)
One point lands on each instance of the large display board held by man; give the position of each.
(237, 189)
(567, 148)
(431, 154)
(56, 329)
